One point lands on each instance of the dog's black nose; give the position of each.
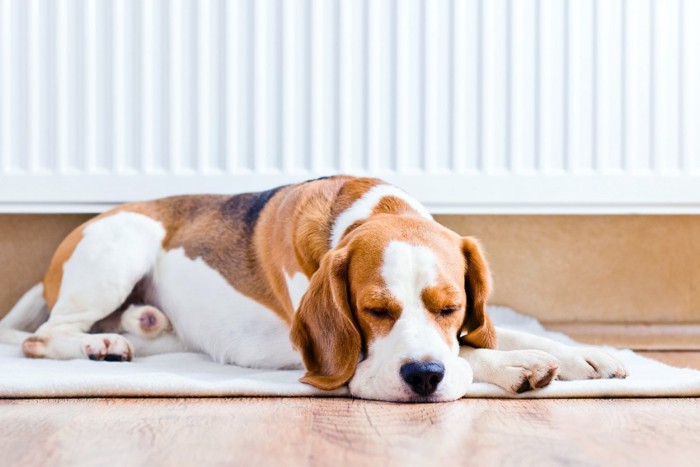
(423, 377)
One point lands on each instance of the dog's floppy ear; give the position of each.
(478, 330)
(324, 330)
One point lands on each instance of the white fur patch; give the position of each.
(362, 209)
(114, 253)
(407, 270)
(296, 286)
(209, 315)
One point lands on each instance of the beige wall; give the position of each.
(26, 245)
(558, 268)
(592, 268)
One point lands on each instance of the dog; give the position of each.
(349, 278)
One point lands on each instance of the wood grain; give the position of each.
(259, 431)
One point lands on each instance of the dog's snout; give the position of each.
(423, 377)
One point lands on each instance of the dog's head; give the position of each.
(387, 310)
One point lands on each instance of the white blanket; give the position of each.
(191, 374)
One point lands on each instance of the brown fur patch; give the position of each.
(54, 274)
(393, 205)
(213, 228)
(370, 299)
(480, 331)
(324, 329)
(442, 297)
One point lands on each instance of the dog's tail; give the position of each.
(25, 317)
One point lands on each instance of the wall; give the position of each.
(27, 243)
(592, 268)
(558, 268)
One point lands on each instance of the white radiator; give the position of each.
(499, 106)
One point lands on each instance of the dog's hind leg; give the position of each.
(113, 255)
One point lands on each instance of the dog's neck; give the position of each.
(323, 213)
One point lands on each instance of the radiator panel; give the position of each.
(472, 106)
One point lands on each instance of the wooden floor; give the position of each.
(303, 431)
(103, 432)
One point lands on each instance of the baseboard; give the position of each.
(634, 336)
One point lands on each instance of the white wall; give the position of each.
(473, 106)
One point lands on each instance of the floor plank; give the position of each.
(273, 431)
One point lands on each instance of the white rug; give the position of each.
(190, 374)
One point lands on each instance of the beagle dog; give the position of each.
(349, 278)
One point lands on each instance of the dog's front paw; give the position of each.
(588, 363)
(107, 347)
(522, 370)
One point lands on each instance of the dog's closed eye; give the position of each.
(378, 312)
(448, 310)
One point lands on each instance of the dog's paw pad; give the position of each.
(547, 375)
(107, 347)
(524, 384)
